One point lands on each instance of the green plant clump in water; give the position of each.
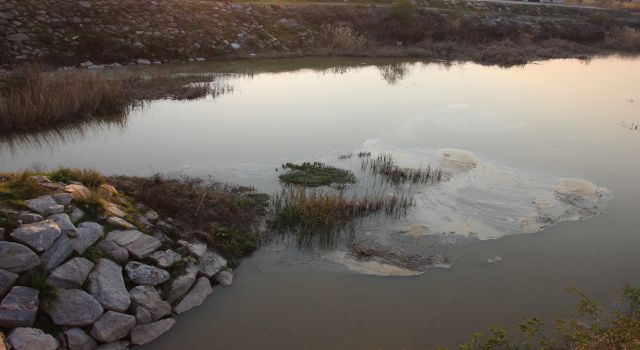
(37, 279)
(316, 174)
(233, 244)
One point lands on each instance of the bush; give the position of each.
(343, 38)
(623, 39)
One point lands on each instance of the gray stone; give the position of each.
(106, 284)
(29, 218)
(142, 220)
(143, 61)
(122, 238)
(196, 296)
(16, 257)
(142, 334)
(197, 248)
(57, 253)
(92, 226)
(225, 277)
(143, 274)
(78, 339)
(19, 307)
(211, 263)
(75, 213)
(7, 280)
(235, 46)
(39, 236)
(114, 251)
(144, 246)
(72, 274)
(163, 238)
(62, 198)
(165, 258)
(120, 223)
(74, 308)
(40, 204)
(64, 222)
(54, 209)
(84, 4)
(119, 345)
(85, 238)
(151, 215)
(143, 315)
(179, 287)
(31, 339)
(78, 191)
(112, 326)
(148, 298)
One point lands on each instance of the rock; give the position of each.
(143, 316)
(114, 251)
(92, 226)
(143, 61)
(78, 339)
(142, 334)
(54, 209)
(31, 339)
(119, 345)
(57, 253)
(74, 308)
(85, 4)
(235, 46)
(72, 274)
(107, 189)
(163, 238)
(165, 258)
(225, 277)
(17, 258)
(62, 198)
(75, 213)
(112, 326)
(19, 307)
(119, 223)
(211, 263)
(148, 299)
(151, 215)
(122, 238)
(144, 246)
(196, 296)
(197, 248)
(39, 236)
(142, 221)
(40, 204)
(113, 210)
(85, 238)
(179, 287)
(143, 274)
(7, 280)
(29, 217)
(106, 284)
(64, 222)
(165, 227)
(78, 191)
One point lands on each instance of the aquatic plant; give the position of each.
(364, 154)
(385, 165)
(345, 156)
(316, 174)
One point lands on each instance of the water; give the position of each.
(528, 127)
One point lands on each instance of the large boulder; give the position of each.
(149, 305)
(64, 222)
(31, 339)
(106, 284)
(122, 238)
(74, 308)
(72, 274)
(78, 339)
(142, 334)
(57, 253)
(140, 273)
(196, 296)
(17, 258)
(85, 238)
(211, 263)
(166, 258)
(92, 226)
(19, 307)
(196, 248)
(113, 251)
(40, 204)
(38, 236)
(144, 246)
(112, 326)
(224, 277)
(7, 280)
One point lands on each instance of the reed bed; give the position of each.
(386, 166)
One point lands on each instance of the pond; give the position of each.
(542, 192)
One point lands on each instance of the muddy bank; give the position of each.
(145, 32)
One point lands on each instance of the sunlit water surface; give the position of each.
(528, 130)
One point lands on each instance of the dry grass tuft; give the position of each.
(627, 39)
(343, 38)
(35, 99)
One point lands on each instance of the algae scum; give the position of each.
(421, 208)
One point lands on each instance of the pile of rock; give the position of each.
(118, 277)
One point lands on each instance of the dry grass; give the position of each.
(386, 166)
(627, 39)
(342, 38)
(35, 99)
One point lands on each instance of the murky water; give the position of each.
(555, 176)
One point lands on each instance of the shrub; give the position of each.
(343, 38)
(623, 39)
(88, 177)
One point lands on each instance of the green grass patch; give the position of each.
(37, 279)
(316, 174)
(87, 177)
(233, 244)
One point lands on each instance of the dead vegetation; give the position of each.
(386, 166)
(415, 262)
